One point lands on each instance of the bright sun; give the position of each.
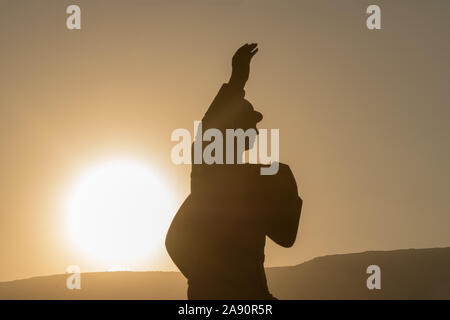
(118, 212)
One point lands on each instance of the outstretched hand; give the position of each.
(241, 64)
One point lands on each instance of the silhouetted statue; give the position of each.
(217, 237)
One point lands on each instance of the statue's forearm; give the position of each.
(237, 81)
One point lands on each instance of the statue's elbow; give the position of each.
(290, 236)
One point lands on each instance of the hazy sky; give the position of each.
(363, 115)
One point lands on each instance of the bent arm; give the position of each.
(285, 216)
(231, 93)
(283, 230)
(180, 243)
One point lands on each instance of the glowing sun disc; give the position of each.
(118, 212)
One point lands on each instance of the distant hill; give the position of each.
(405, 274)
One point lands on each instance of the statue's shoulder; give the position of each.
(283, 169)
(283, 179)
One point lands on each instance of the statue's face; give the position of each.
(244, 118)
(249, 120)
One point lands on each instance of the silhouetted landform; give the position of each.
(405, 274)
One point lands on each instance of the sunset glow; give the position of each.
(118, 212)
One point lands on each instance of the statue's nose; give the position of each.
(258, 116)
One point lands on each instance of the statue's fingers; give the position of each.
(252, 46)
(241, 49)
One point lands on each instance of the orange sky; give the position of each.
(363, 115)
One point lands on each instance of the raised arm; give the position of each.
(241, 65)
(231, 93)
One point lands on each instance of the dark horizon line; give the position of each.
(272, 267)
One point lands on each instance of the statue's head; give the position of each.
(246, 119)
(241, 118)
